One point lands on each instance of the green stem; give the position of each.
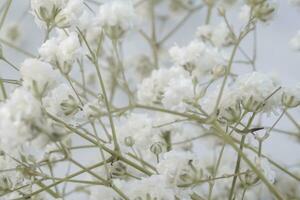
(3, 89)
(115, 153)
(10, 64)
(208, 14)
(58, 182)
(237, 168)
(8, 3)
(231, 142)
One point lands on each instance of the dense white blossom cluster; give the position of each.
(178, 122)
(170, 87)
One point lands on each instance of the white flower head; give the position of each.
(116, 16)
(38, 76)
(197, 58)
(153, 187)
(291, 96)
(258, 91)
(62, 102)
(61, 51)
(21, 117)
(60, 13)
(218, 35)
(245, 12)
(169, 87)
(179, 167)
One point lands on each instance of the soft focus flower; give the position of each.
(21, 118)
(61, 51)
(258, 91)
(38, 76)
(197, 58)
(60, 13)
(218, 35)
(62, 101)
(116, 17)
(291, 96)
(169, 87)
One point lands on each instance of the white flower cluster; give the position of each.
(263, 11)
(61, 51)
(116, 17)
(189, 124)
(197, 58)
(218, 35)
(171, 87)
(60, 13)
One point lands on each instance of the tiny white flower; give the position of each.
(197, 58)
(245, 12)
(291, 96)
(61, 51)
(62, 102)
(116, 16)
(38, 76)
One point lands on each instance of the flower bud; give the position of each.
(114, 32)
(249, 178)
(69, 106)
(264, 11)
(291, 97)
(232, 114)
(218, 71)
(129, 141)
(251, 105)
(189, 67)
(62, 20)
(156, 148)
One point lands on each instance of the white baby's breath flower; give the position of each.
(61, 51)
(139, 128)
(116, 16)
(153, 187)
(218, 35)
(179, 167)
(169, 87)
(291, 96)
(229, 108)
(21, 118)
(262, 11)
(177, 91)
(257, 91)
(89, 25)
(245, 12)
(60, 13)
(38, 76)
(68, 16)
(197, 58)
(62, 102)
